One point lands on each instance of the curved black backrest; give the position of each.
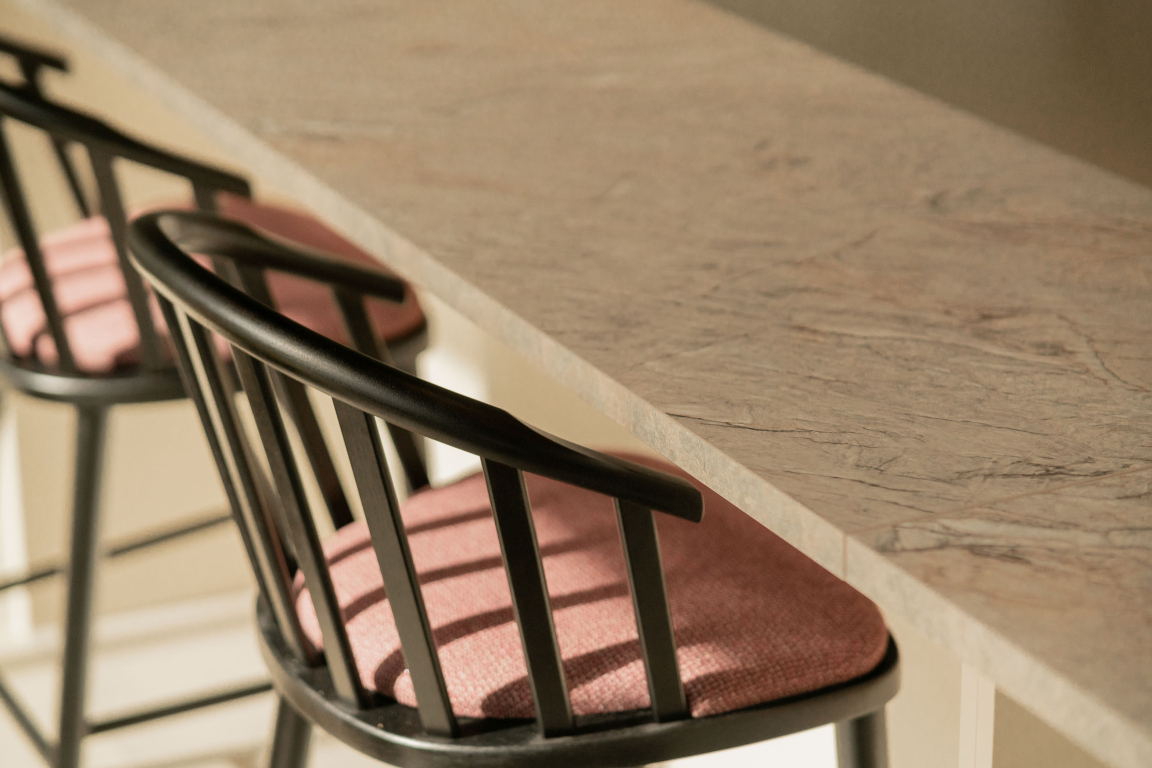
(32, 62)
(31, 58)
(26, 103)
(270, 350)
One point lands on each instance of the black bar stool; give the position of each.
(77, 325)
(535, 614)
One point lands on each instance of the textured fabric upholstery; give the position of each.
(755, 620)
(89, 289)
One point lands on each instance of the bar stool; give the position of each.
(79, 326)
(534, 614)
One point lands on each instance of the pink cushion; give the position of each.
(101, 328)
(755, 619)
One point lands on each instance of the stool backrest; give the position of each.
(269, 350)
(103, 146)
(32, 62)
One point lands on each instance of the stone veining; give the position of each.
(930, 333)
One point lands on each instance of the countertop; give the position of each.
(914, 345)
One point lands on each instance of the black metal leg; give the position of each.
(81, 565)
(290, 739)
(863, 742)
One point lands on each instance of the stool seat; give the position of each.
(89, 288)
(755, 619)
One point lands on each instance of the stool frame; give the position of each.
(325, 689)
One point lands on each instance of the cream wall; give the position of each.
(159, 470)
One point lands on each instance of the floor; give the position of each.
(207, 643)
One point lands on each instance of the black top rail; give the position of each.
(276, 357)
(214, 236)
(31, 58)
(104, 145)
(32, 62)
(374, 387)
(72, 124)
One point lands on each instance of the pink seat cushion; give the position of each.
(755, 620)
(89, 289)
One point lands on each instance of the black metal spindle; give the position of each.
(364, 340)
(653, 615)
(205, 196)
(112, 207)
(530, 601)
(225, 434)
(382, 513)
(21, 218)
(31, 66)
(294, 399)
(257, 381)
(24, 51)
(68, 168)
(31, 71)
(273, 587)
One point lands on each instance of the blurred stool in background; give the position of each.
(79, 326)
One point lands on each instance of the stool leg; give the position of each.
(290, 739)
(81, 566)
(863, 742)
(15, 605)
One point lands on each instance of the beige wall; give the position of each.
(159, 470)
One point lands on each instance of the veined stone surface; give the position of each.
(913, 344)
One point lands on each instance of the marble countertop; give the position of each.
(911, 343)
